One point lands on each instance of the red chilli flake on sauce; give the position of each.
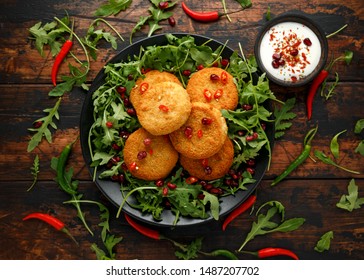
(289, 52)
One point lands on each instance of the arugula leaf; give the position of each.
(44, 131)
(245, 3)
(142, 21)
(325, 159)
(34, 171)
(334, 144)
(360, 148)
(265, 224)
(359, 126)
(113, 7)
(190, 251)
(49, 34)
(324, 242)
(282, 117)
(350, 201)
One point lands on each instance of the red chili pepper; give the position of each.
(151, 233)
(313, 89)
(238, 211)
(53, 221)
(60, 57)
(199, 16)
(271, 252)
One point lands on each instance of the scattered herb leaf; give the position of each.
(334, 144)
(43, 130)
(359, 126)
(350, 201)
(113, 7)
(325, 159)
(324, 242)
(283, 116)
(34, 171)
(190, 251)
(268, 15)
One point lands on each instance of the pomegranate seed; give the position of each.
(188, 132)
(124, 134)
(109, 124)
(115, 178)
(249, 138)
(130, 77)
(163, 5)
(171, 21)
(255, 135)
(124, 166)
(201, 196)
(218, 94)
(171, 186)
(165, 191)
(206, 121)
(199, 133)
(294, 52)
(205, 162)
(208, 170)
(208, 95)
(126, 101)
(131, 111)
(147, 141)
(307, 42)
(216, 64)
(186, 73)
(247, 107)
(241, 132)
(115, 147)
(264, 126)
(224, 62)
(159, 183)
(276, 56)
(294, 79)
(37, 124)
(200, 67)
(115, 160)
(228, 182)
(142, 155)
(208, 187)
(251, 162)
(250, 170)
(191, 180)
(281, 62)
(121, 89)
(216, 191)
(121, 178)
(143, 87)
(214, 77)
(275, 64)
(163, 108)
(203, 183)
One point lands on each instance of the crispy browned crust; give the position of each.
(219, 163)
(160, 160)
(211, 138)
(165, 108)
(152, 78)
(201, 81)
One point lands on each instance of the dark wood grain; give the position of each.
(310, 192)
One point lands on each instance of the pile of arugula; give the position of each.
(176, 56)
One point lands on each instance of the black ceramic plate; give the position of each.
(112, 190)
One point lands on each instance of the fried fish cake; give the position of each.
(150, 80)
(149, 157)
(203, 134)
(214, 86)
(213, 167)
(165, 108)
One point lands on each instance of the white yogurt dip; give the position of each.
(290, 51)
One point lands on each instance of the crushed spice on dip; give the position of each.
(290, 51)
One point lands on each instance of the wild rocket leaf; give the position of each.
(334, 144)
(112, 7)
(350, 201)
(324, 242)
(34, 171)
(43, 130)
(283, 116)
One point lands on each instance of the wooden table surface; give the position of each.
(310, 192)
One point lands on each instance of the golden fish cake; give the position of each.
(165, 108)
(149, 157)
(213, 167)
(203, 134)
(213, 86)
(151, 79)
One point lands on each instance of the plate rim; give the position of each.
(107, 192)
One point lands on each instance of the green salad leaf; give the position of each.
(324, 242)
